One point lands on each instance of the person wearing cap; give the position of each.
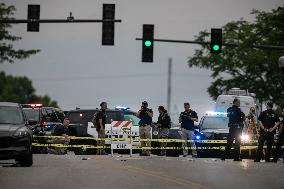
(268, 121)
(280, 138)
(236, 119)
(187, 119)
(145, 114)
(164, 124)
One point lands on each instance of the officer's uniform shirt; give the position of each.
(102, 115)
(268, 118)
(186, 122)
(165, 120)
(235, 115)
(145, 119)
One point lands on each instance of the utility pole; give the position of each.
(169, 85)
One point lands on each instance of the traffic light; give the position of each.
(108, 27)
(216, 40)
(33, 16)
(148, 43)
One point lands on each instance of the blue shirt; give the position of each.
(186, 122)
(145, 119)
(235, 115)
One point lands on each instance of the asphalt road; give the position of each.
(124, 172)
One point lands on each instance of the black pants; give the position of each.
(278, 145)
(234, 134)
(268, 137)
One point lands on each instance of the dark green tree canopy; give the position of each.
(7, 51)
(20, 90)
(243, 66)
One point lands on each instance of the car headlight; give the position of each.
(22, 132)
(245, 137)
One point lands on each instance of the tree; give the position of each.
(20, 90)
(243, 66)
(7, 51)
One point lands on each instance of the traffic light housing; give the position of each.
(108, 27)
(33, 17)
(216, 40)
(148, 43)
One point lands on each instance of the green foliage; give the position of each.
(243, 66)
(20, 90)
(7, 51)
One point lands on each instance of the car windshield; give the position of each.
(215, 123)
(51, 114)
(135, 120)
(32, 114)
(11, 115)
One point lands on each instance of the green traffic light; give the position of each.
(216, 47)
(148, 43)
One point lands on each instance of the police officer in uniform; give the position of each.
(280, 139)
(268, 120)
(236, 119)
(164, 124)
(187, 119)
(101, 122)
(145, 114)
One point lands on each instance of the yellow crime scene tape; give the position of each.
(144, 140)
(143, 148)
(250, 145)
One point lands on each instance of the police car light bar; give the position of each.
(215, 113)
(122, 108)
(36, 105)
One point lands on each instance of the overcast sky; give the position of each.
(75, 70)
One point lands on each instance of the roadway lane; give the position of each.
(123, 172)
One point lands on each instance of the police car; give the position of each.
(213, 127)
(44, 117)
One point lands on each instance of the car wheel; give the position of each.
(26, 160)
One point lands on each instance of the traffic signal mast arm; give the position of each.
(224, 44)
(21, 21)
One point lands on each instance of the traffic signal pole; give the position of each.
(33, 21)
(268, 47)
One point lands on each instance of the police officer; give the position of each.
(101, 122)
(236, 119)
(187, 119)
(164, 124)
(268, 120)
(280, 139)
(145, 114)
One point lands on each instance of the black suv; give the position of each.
(79, 119)
(15, 136)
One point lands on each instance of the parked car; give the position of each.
(15, 136)
(214, 126)
(44, 118)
